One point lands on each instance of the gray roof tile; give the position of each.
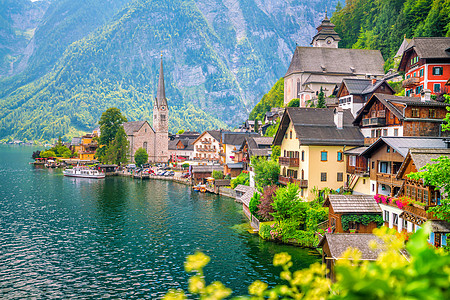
(353, 204)
(339, 242)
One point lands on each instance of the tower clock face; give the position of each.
(329, 41)
(163, 108)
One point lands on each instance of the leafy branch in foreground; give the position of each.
(421, 275)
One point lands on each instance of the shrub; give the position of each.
(253, 205)
(265, 208)
(140, 156)
(185, 165)
(217, 174)
(243, 179)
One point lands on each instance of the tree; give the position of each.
(217, 174)
(253, 205)
(266, 171)
(256, 126)
(36, 154)
(48, 153)
(294, 103)
(265, 208)
(110, 122)
(438, 175)
(321, 99)
(140, 157)
(181, 131)
(276, 152)
(288, 205)
(118, 149)
(272, 129)
(242, 178)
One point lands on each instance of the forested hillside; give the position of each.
(382, 24)
(220, 57)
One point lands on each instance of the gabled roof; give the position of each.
(390, 101)
(336, 60)
(338, 243)
(356, 151)
(403, 47)
(315, 126)
(236, 138)
(353, 204)
(427, 48)
(216, 134)
(258, 146)
(402, 144)
(420, 157)
(132, 127)
(314, 78)
(440, 226)
(359, 86)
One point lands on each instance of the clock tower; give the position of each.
(161, 121)
(326, 36)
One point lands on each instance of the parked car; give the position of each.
(131, 166)
(169, 173)
(185, 175)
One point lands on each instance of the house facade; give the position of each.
(353, 93)
(426, 63)
(207, 146)
(312, 143)
(389, 115)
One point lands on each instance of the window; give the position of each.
(303, 155)
(301, 193)
(386, 216)
(388, 149)
(432, 113)
(437, 87)
(414, 112)
(421, 73)
(408, 76)
(323, 176)
(324, 156)
(396, 132)
(372, 133)
(394, 219)
(285, 135)
(419, 89)
(437, 71)
(352, 160)
(419, 195)
(404, 224)
(373, 165)
(425, 196)
(290, 134)
(163, 118)
(385, 132)
(340, 176)
(384, 167)
(145, 146)
(408, 93)
(340, 156)
(303, 174)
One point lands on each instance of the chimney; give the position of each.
(374, 81)
(425, 95)
(339, 117)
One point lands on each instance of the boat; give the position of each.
(83, 172)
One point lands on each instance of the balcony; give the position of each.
(389, 179)
(374, 122)
(420, 211)
(300, 182)
(410, 82)
(289, 161)
(206, 142)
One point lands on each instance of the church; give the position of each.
(155, 140)
(324, 65)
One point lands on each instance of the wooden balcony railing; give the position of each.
(300, 182)
(415, 209)
(389, 179)
(289, 161)
(374, 122)
(410, 82)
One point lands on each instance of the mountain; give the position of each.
(220, 56)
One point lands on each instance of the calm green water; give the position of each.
(119, 238)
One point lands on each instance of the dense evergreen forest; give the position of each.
(382, 24)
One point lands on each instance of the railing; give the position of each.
(300, 182)
(206, 142)
(289, 161)
(415, 209)
(410, 82)
(389, 179)
(378, 121)
(255, 223)
(357, 170)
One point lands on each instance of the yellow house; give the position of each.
(88, 147)
(313, 141)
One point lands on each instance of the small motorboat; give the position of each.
(83, 172)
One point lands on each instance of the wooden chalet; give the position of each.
(388, 115)
(357, 171)
(344, 207)
(254, 146)
(353, 93)
(200, 173)
(334, 245)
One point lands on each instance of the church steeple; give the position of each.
(326, 36)
(161, 92)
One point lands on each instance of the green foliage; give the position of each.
(265, 229)
(382, 24)
(288, 205)
(294, 103)
(185, 165)
(274, 98)
(321, 99)
(118, 149)
(48, 153)
(272, 129)
(437, 174)
(276, 152)
(181, 131)
(364, 219)
(424, 275)
(59, 150)
(396, 86)
(140, 157)
(110, 122)
(266, 171)
(254, 202)
(242, 178)
(217, 174)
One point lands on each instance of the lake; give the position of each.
(115, 238)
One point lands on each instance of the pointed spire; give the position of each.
(326, 12)
(161, 92)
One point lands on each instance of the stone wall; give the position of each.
(138, 140)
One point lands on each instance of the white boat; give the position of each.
(83, 173)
